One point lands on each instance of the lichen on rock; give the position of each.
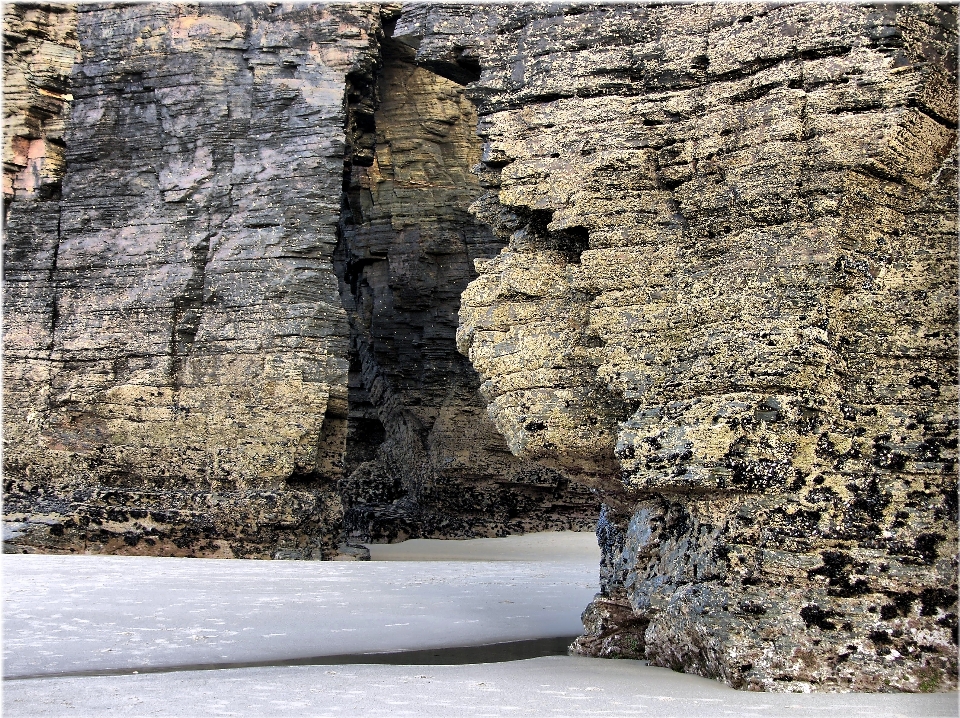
(708, 268)
(728, 301)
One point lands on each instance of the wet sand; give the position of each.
(83, 613)
(547, 546)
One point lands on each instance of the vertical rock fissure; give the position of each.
(51, 279)
(188, 310)
(423, 459)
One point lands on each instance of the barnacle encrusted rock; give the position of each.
(728, 301)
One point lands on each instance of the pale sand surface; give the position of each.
(559, 687)
(546, 546)
(81, 613)
(72, 613)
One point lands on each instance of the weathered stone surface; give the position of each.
(176, 343)
(729, 301)
(175, 347)
(40, 47)
(726, 300)
(424, 460)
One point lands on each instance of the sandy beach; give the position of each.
(141, 636)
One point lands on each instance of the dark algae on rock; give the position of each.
(699, 262)
(728, 301)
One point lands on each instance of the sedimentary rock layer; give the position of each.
(175, 347)
(726, 300)
(40, 47)
(424, 459)
(729, 301)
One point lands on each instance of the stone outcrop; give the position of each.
(728, 301)
(713, 278)
(40, 47)
(176, 353)
(424, 459)
(177, 350)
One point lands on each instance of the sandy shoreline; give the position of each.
(121, 613)
(545, 546)
(557, 687)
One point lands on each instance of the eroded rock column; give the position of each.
(728, 300)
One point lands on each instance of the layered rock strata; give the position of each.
(728, 301)
(424, 459)
(176, 353)
(40, 47)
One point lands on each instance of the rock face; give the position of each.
(714, 279)
(728, 301)
(40, 47)
(175, 347)
(424, 460)
(177, 350)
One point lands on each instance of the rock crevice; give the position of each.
(181, 324)
(423, 459)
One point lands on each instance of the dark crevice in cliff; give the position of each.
(422, 457)
(51, 279)
(937, 117)
(462, 68)
(188, 310)
(369, 422)
(571, 242)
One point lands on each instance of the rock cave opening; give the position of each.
(423, 458)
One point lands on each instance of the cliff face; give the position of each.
(178, 344)
(728, 301)
(423, 457)
(714, 278)
(175, 346)
(40, 47)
